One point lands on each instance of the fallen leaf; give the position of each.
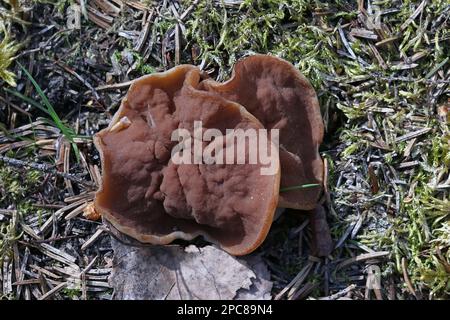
(174, 272)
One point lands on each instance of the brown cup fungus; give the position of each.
(150, 197)
(280, 97)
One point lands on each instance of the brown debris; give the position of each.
(373, 179)
(363, 33)
(90, 213)
(406, 278)
(322, 243)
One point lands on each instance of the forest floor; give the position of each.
(381, 72)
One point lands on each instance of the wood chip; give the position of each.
(301, 278)
(66, 165)
(187, 12)
(100, 271)
(418, 55)
(19, 272)
(409, 146)
(82, 196)
(68, 271)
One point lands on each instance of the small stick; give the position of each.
(186, 13)
(92, 239)
(177, 44)
(414, 15)
(362, 257)
(83, 278)
(44, 168)
(122, 85)
(53, 291)
(58, 238)
(413, 134)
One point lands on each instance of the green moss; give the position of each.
(421, 232)
(16, 188)
(71, 293)
(117, 55)
(141, 67)
(262, 26)
(8, 49)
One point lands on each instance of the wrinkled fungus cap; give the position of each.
(280, 97)
(145, 195)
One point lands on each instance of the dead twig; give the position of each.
(44, 168)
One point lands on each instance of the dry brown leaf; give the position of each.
(173, 272)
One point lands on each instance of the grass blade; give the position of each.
(67, 132)
(303, 186)
(27, 99)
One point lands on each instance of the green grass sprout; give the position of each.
(303, 186)
(67, 132)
